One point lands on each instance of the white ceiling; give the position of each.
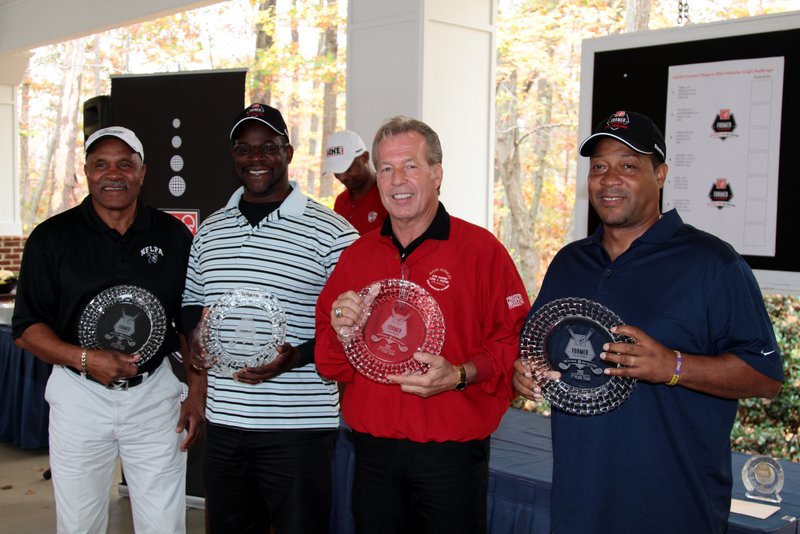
(26, 24)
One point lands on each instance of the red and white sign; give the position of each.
(191, 218)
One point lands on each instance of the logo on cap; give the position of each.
(618, 120)
(335, 151)
(255, 110)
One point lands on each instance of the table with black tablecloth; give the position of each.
(23, 410)
(520, 471)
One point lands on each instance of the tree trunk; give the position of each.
(637, 15)
(314, 134)
(97, 67)
(34, 213)
(64, 178)
(294, 99)
(520, 240)
(24, 128)
(329, 97)
(262, 88)
(53, 168)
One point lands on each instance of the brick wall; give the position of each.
(11, 252)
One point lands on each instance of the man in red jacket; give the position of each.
(347, 157)
(422, 440)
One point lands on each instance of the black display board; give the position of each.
(635, 78)
(183, 121)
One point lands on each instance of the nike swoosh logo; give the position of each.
(767, 353)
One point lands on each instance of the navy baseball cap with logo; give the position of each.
(634, 129)
(263, 114)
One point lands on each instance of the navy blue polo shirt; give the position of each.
(660, 462)
(73, 256)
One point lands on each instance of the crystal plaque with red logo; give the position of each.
(567, 335)
(399, 318)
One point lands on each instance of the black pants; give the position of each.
(401, 486)
(258, 480)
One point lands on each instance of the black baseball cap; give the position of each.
(263, 114)
(634, 129)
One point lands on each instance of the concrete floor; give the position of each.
(26, 499)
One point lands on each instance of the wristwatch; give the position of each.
(462, 378)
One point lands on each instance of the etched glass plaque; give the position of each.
(399, 318)
(126, 319)
(763, 478)
(567, 335)
(243, 329)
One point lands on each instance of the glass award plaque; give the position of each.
(567, 335)
(399, 319)
(243, 329)
(763, 478)
(123, 318)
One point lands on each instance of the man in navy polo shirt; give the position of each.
(660, 462)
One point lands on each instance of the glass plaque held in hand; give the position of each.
(242, 329)
(763, 478)
(123, 318)
(399, 318)
(567, 335)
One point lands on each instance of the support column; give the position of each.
(12, 68)
(433, 60)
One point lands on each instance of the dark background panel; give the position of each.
(206, 104)
(636, 79)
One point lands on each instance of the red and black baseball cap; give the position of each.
(263, 114)
(634, 129)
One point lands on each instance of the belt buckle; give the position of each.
(118, 385)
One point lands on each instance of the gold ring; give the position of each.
(337, 311)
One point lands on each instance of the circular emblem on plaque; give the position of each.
(399, 319)
(243, 329)
(124, 318)
(763, 478)
(567, 335)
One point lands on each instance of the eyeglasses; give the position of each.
(243, 149)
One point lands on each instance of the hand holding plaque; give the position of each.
(242, 329)
(124, 318)
(567, 335)
(398, 319)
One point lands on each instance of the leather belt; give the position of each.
(123, 383)
(117, 385)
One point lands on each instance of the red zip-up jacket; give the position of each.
(484, 304)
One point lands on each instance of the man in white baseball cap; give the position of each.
(112, 393)
(346, 156)
(121, 133)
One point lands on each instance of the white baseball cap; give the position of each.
(123, 134)
(342, 148)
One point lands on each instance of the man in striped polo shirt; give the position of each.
(271, 429)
